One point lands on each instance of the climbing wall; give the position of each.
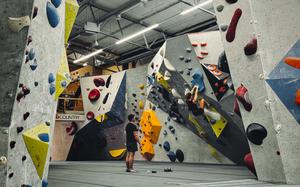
(183, 62)
(32, 38)
(262, 47)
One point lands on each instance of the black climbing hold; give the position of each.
(154, 171)
(176, 138)
(134, 95)
(181, 72)
(169, 119)
(188, 73)
(166, 146)
(213, 121)
(136, 100)
(36, 83)
(159, 145)
(172, 156)
(20, 85)
(108, 81)
(26, 115)
(256, 133)
(12, 144)
(165, 132)
(172, 129)
(47, 123)
(24, 158)
(35, 11)
(154, 108)
(278, 153)
(179, 155)
(105, 98)
(11, 175)
(19, 129)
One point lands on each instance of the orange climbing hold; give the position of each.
(293, 61)
(297, 100)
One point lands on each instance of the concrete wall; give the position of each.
(47, 44)
(276, 32)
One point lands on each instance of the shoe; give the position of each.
(243, 97)
(132, 171)
(127, 170)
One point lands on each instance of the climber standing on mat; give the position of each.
(131, 142)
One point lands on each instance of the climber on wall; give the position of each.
(131, 142)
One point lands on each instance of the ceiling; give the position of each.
(100, 23)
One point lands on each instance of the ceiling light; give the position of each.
(88, 56)
(85, 64)
(137, 34)
(201, 5)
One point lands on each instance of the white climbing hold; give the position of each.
(268, 103)
(168, 65)
(278, 128)
(213, 115)
(167, 75)
(175, 93)
(17, 24)
(180, 102)
(261, 77)
(3, 160)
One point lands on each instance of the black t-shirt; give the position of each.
(130, 128)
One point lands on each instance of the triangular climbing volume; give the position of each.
(36, 141)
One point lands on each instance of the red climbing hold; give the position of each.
(230, 35)
(203, 44)
(200, 57)
(204, 53)
(242, 96)
(293, 61)
(249, 163)
(251, 47)
(90, 115)
(94, 95)
(231, 1)
(29, 40)
(194, 45)
(297, 100)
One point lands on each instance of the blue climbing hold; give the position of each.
(166, 146)
(44, 183)
(56, 3)
(33, 66)
(150, 80)
(52, 88)
(44, 137)
(52, 15)
(213, 121)
(63, 83)
(198, 80)
(172, 156)
(31, 54)
(51, 78)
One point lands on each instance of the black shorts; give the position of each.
(132, 147)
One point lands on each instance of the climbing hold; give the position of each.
(94, 95)
(220, 8)
(34, 65)
(3, 160)
(231, 1)
(256, 133)
(11, 175)
(230, 35)
(213, 121)
(134, 95)
(106, 98)
(24, 158)
(44, 137)
(297, 98)
(141, 86)
(63, 83)
(172, 156)
(165, 133)
(44, 183)
(212, 67)
(17, 24)
(167, 75)
(29, 40)
(26, 115)
(52, 88)
(35, 12)
(166, 146)
(90, 115)
(179, 155)
(108, 81)
(47, 123)
(99, 82)
(172, 129)
(224, 28)
(204, 53)
(52, 15)
(31, 54)
(12, 144)
(167, 170)
(203, 44)
(189, 50)
(200, 57)
(194, 44)
(243, 97)
(293, 61)
(51, 78)
(251, 47)
(72, 129)
(56, 3)
(181, 57)
(19, 129)
(36, 83)
(141, 105)
(198, 80)
(175, 93)
(187, 60)
(249, 163)
(180, 102)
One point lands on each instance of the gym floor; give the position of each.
(112, 174)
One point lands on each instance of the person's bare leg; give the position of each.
(131, 160)
(127, 161)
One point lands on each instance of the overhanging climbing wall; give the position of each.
(182, 63)
(262, 47)
(32, 41)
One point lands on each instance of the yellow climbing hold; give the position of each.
(219, 125)
(102, 117)
(141, 105)
(36, 148)
(117, 153)
(160, 79)
(150, 125)
(71, 12)
(141, 86)
(63, 76)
